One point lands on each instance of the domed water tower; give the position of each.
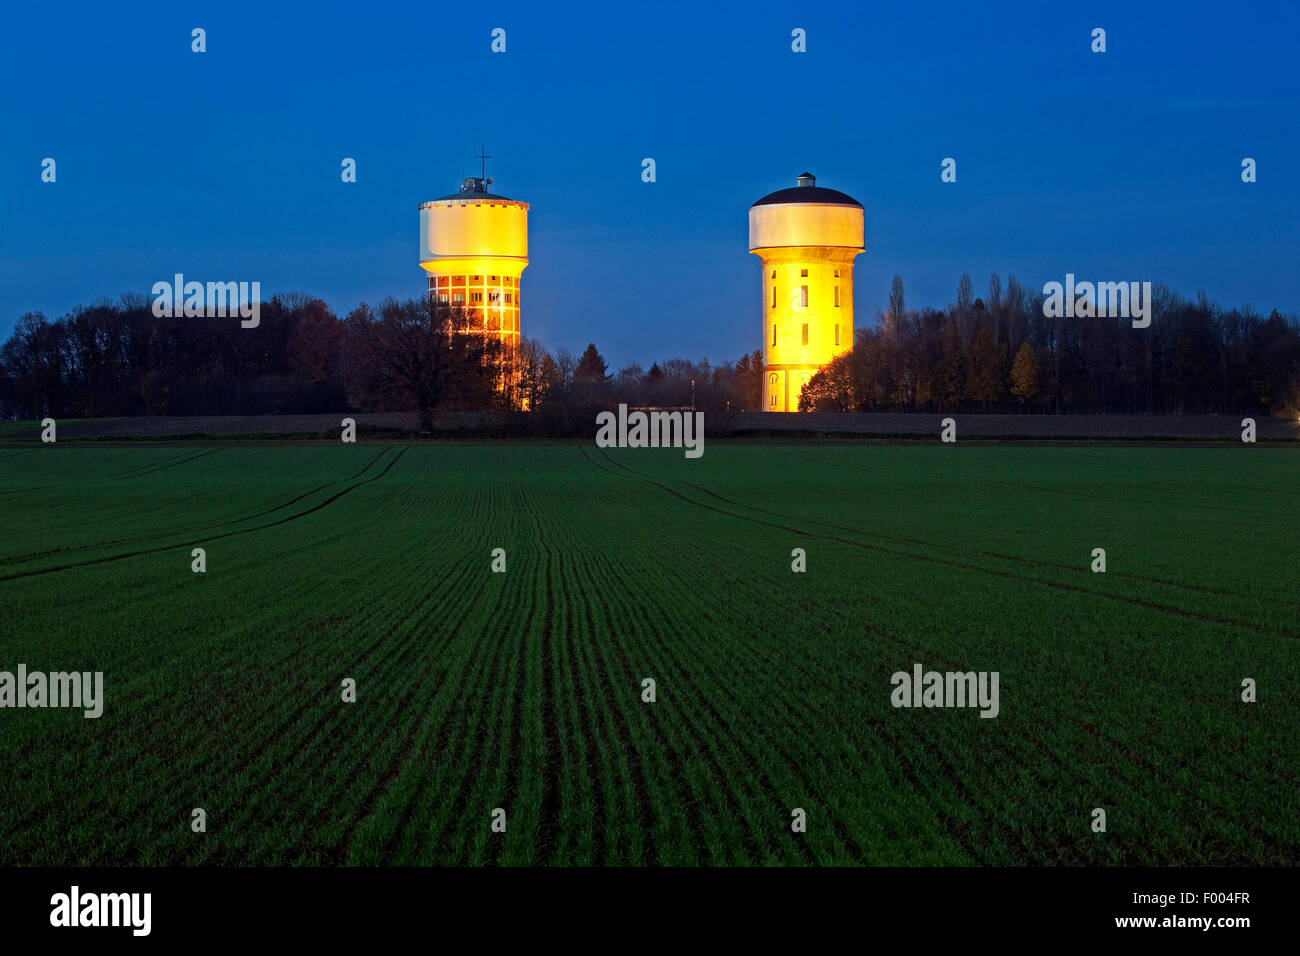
(807, 237)
(474, 247)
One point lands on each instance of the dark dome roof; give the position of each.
(474, 189)
(473, 197)
(808, 191)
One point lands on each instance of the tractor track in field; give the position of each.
(851, 846)
(767, 789)
(1138, 501)
(623, 737)
(551, 801)
(19, 491)
(394, 658)
(1137, 602)
(586, 721)
(1135, 759)
(776, 743)
(989, 760)
(517, 742)
(794, 703)
(627, 738)
(1032, 562)
(489, 656)
(138, 468)
(602, 650)
(1139, 764)
(204, 539)
(670, 751)
(485, 660)
(163, 466)
(193, 530)
(504, 657)
(391, 655)
(170, 739)
(1199, 588)
(286, 727)
(451, 718)
(306, 494)
(1136, 770)
(603, 654)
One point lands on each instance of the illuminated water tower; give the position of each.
(474, 247)
(807, 238)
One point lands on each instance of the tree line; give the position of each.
(1000, 354)
(992, 353)
(117, 358)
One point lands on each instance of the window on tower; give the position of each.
(803, 273)
(837, 297)
(803, 297)
(837, 335)
(805, 333)
(773, 273)
(476, 296)
(774, 297)
(837, 273)
(509, 298)
(458, 297)
(771, 401)
(774, 335)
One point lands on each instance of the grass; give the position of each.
(523, 690)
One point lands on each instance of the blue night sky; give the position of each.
(225, 165)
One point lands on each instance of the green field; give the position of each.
(523, 690)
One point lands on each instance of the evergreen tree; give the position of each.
(591, 366)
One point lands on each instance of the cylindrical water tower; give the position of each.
(474, 246)
(807, 238)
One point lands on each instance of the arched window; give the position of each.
(774, 379)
